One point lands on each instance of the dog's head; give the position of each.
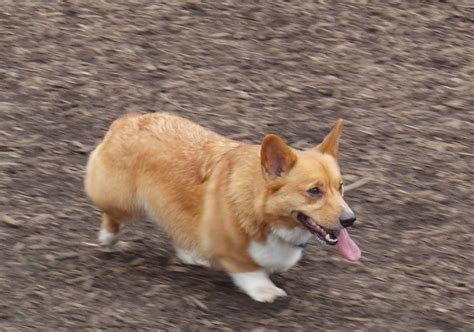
(305, 189)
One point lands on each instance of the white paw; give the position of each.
(266, 293)
(107, 238)
(257, 285)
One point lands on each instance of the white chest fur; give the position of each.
(280, 252)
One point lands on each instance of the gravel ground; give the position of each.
(399, 72)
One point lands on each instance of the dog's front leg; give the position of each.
(257, 285)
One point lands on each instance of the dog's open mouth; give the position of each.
(322, 234)
(345, 245)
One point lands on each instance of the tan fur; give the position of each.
(211, 194)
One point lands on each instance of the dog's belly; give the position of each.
(275, 255)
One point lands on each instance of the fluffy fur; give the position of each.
(223, 203)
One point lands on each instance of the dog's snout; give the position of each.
(347, 218)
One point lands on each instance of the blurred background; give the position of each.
(399, 72)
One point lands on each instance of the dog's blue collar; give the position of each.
(302, 246)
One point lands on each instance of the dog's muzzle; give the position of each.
(320, 232)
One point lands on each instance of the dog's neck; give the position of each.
(248, 191)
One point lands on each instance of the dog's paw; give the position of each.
(267, 293)
(257, 285)
(107, 238)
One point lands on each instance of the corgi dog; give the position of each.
(246, 209)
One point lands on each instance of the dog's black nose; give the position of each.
(347, 218)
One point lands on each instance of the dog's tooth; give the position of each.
(329, 238)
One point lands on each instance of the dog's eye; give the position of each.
(315, 191)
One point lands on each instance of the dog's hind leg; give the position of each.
(109, 229)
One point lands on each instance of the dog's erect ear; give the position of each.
(276, 157)
(330, 143)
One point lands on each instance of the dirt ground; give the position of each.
(399, 73)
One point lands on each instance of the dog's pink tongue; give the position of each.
(347, 247)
